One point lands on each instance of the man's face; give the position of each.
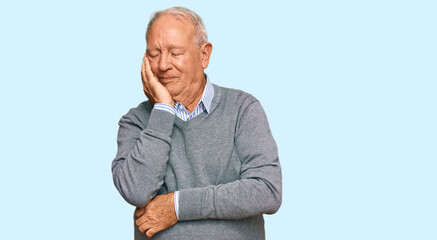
(173, 54)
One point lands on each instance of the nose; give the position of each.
(164, 63)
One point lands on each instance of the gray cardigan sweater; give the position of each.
(224, 164)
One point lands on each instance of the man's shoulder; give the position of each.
(239, 105)
(235, 96)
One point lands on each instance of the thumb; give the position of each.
(140, 212)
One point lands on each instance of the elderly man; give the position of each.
(197, 160)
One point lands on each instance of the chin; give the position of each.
(172, 90)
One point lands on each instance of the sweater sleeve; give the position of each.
(259, 189)
(139, 167)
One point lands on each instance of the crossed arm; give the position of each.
(140, 165)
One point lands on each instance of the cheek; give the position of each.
(181, 65)
(154, 66)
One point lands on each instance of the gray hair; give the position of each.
(201, 37)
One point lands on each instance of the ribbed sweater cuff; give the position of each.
(190, 204)
(161, 121)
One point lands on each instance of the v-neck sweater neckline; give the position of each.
(199, 118)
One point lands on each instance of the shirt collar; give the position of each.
(207, 95)
(205, 100)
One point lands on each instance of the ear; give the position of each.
(205, 51)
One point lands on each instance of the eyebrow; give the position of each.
(152, 49)
(175, 47)
(171, 46)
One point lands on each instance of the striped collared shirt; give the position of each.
(182, 113)
(180, 110)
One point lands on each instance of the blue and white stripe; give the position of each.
(204, 104)
(164, 107)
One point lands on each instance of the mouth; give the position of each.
(166, 79)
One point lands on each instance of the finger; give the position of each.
(143, 75)
(144, 80)
(146, 88)
(151, 232)
(143, 67)
(141, 220)
(144, 227)
(148, 70)
(149, 94)
(140, 211)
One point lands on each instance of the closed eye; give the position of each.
(176, 54)
(153, 55)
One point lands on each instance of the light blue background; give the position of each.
(349, 88)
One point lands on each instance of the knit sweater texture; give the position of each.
(225, 165)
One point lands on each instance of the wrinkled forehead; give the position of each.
(172, 21)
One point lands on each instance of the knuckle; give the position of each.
(149, 234)
(143, 228)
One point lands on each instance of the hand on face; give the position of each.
(153, 89)
(157, 215)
